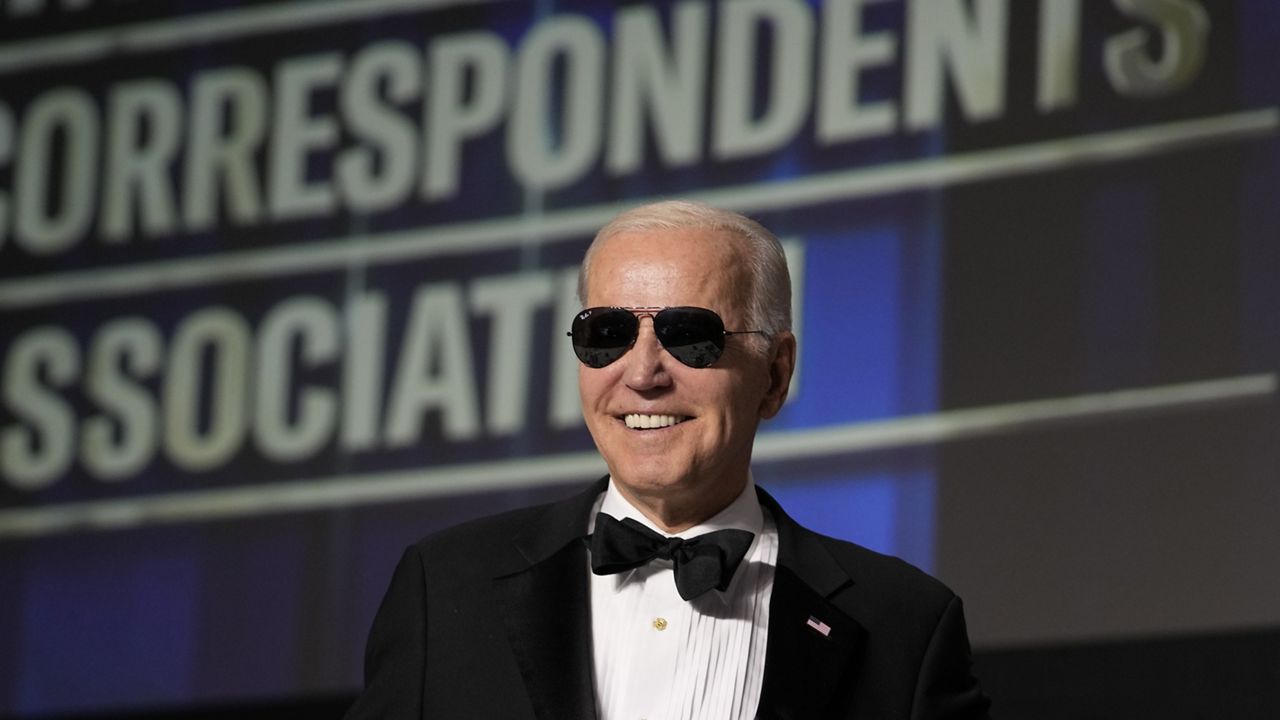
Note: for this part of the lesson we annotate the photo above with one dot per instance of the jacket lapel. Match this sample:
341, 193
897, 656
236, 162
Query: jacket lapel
547, 610
544, 592
813, 647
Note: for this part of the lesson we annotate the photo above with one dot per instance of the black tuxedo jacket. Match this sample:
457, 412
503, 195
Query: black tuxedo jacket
491, 620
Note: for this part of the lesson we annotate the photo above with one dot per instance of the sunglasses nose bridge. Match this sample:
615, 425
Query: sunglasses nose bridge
642, 313
646, 335
646, 358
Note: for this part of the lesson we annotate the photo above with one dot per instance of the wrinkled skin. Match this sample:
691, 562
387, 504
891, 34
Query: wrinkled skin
682, 474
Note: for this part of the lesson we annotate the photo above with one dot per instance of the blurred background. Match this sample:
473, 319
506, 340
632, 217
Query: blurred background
284, 286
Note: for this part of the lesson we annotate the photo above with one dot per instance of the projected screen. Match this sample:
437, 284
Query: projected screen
284, 286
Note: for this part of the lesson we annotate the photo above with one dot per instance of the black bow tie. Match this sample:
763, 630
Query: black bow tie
701, 563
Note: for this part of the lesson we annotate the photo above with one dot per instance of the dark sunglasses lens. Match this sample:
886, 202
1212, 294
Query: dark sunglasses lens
694, 336
602, 335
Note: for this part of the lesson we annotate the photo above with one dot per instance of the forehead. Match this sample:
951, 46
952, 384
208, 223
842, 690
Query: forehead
686, 266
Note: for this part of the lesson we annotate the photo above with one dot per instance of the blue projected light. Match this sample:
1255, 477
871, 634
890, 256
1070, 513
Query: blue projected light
862, 510
868, 353
99, 634
889, 512
852, 323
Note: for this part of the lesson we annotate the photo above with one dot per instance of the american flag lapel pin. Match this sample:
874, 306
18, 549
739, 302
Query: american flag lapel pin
820, 626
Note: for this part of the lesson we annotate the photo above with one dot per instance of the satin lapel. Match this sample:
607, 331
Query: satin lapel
814, 647
547, 610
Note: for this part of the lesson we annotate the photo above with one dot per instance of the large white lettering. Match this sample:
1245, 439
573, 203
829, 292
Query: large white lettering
667, 87
311, 376
944, 43
435, 369
1057, 84
1131, 64
846, 52
381, 174
122, 439
739, 130
299, 134
144, 124
550, 147
39, 448
455, 114
292, 422
210, 359
389, 124
49, 219
365, 337
511, 302
228, 124
566, 407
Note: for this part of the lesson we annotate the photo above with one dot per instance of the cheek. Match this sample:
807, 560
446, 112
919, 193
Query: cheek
735, 402
588, 383
595, 387
744, 403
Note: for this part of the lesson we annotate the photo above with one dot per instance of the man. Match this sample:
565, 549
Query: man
586, 609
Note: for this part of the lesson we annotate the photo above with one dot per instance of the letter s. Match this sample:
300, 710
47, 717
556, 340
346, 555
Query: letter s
1184, 29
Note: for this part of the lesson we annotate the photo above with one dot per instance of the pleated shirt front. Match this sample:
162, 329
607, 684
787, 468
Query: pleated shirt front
659, 657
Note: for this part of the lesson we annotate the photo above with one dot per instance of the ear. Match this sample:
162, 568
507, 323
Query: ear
782, 364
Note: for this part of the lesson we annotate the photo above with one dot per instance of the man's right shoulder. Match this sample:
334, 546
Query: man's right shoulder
499, 536
482, 529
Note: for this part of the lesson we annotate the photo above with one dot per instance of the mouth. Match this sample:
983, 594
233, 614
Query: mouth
637, 421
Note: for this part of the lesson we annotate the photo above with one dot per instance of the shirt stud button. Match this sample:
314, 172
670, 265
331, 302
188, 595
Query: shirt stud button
659, 623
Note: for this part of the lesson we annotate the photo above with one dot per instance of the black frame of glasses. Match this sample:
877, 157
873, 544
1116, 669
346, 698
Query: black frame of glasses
695, 336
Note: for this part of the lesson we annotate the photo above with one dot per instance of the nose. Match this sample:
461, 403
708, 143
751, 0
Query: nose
647, 360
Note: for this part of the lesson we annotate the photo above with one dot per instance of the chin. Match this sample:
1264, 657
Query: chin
650, 476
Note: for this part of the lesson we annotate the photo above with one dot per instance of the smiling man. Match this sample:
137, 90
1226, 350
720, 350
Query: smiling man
672, 588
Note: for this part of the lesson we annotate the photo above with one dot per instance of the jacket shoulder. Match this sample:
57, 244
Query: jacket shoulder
866, 565
879, 587
480, 537
512, 538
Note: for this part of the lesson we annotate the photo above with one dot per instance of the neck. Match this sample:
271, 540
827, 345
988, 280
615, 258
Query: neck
673, 513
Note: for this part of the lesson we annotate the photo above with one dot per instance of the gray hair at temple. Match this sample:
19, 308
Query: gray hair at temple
769, 303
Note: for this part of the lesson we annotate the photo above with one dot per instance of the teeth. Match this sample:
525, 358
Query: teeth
636, 421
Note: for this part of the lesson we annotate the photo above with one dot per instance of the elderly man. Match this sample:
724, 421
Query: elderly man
673, 587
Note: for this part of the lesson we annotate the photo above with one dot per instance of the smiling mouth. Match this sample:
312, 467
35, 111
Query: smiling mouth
636, 421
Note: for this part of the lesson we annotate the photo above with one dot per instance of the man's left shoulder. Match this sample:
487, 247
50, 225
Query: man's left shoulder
876, 581
860, 564
869, 566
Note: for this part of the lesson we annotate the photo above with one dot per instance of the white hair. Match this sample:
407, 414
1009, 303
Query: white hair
769, 292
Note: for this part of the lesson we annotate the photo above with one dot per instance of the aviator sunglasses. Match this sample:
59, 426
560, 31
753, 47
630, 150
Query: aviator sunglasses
693, 335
